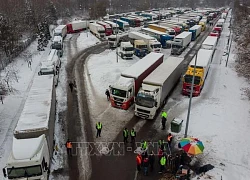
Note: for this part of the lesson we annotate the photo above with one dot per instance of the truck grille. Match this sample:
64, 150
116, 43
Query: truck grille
142, 110
128, 55
144, 116
118, 99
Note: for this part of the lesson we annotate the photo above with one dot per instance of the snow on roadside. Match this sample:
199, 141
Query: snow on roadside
73, 44
102, 70
13, 103
220, 118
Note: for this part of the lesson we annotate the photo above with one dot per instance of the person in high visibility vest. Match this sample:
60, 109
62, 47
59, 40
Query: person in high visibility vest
161, 144
133, 135
163, 161
164, 116
138, 162
99, 129
69, 147
169, 138
125, 135
144, 145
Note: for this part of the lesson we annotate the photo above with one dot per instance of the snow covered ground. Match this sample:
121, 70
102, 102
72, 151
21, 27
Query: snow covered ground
14, 102
220, 118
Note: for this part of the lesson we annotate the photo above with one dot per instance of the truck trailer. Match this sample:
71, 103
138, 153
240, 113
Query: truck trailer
60, 30
114, 26
107, 27
123, 25
196, 31
97, 30
176, 28
33, 144
160, 36
181, 42
204, 59
152, 43
167, 30
77, 26
210, 43
126, 88
157, 86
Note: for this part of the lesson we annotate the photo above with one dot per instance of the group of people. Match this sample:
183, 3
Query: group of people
126, 134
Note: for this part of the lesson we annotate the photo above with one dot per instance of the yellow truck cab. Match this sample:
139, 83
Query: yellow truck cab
203, 26
140, 48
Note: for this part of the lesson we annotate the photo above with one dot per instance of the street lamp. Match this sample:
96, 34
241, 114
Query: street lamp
116, 41
190, 97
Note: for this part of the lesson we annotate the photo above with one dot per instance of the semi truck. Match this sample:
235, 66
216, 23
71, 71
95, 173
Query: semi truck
77, 26
150, 16
114, 26
180, 43
97, 30
32, 146
204, 59
140, 48
210, 43
126, 50
57, 43
160, 36
133, 22
167, 30
122, 93
176, 28
107, 27
219, 25
152, 43
196, 31
50, 65
183, 26
157, 86
123, 25
115, 40
60, 30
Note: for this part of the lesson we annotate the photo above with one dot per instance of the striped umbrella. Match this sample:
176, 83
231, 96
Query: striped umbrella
192, 146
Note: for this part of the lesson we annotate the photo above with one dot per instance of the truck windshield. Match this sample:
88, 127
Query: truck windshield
118, 92
111, 39
145, 100
57, 34
109, 29
101, 31
188, 79
128, 49
24, 172
171, 33
156, 46
141, 46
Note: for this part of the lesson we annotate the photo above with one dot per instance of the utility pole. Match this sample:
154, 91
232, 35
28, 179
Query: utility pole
116, 42
190, 97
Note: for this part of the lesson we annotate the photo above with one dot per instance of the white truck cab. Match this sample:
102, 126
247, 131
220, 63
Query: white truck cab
154, 46
126, 50
28, 162
57, 43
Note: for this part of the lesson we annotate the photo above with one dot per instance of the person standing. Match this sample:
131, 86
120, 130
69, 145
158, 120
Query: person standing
144, 145
133, 135
145, 165
163, 119
98, 129
69, 147
161, 144
107, 94
71, 86
138, 162
151, 159
125, 135
162, 163
169, 138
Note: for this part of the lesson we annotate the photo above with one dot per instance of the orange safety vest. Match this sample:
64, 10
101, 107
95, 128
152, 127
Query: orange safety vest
69, 145
169, 138
138, 159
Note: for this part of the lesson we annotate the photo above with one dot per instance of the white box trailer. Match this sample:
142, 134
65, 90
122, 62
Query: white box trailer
33, 143
60, 30
196, 31
77, 26
181, 42
152, 43
97, 30
210, 43
157, 86
115, 27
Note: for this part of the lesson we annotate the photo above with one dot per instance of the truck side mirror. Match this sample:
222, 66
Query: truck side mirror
4, 172
156, 104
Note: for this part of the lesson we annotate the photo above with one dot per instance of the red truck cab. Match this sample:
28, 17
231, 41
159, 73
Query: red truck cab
107, 27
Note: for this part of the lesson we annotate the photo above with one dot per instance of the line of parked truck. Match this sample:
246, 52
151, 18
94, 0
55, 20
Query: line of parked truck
150, 81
